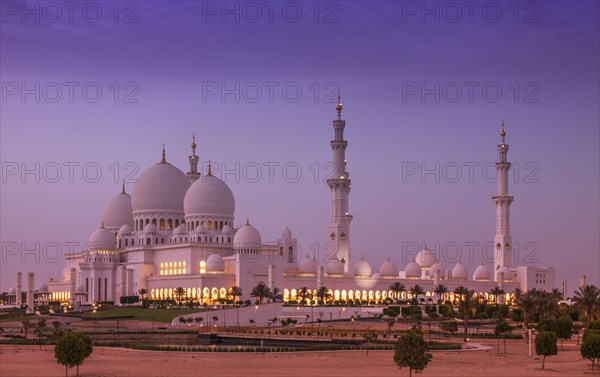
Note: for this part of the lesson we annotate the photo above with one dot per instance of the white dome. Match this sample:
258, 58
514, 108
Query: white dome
150, 228
102, 239
161, 187
412, 270
12, 291
335, 267
481, 272
437, 266
247, 237
215, 263
125, 229
460, 271
227, 229
287, 233
425, 258
43, 287
200, 229
362, 268
307, 265
180, 230
376, 276
388, 269
209, 196
118, 211
80, 289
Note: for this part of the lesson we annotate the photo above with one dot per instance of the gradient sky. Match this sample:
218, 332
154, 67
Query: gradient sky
373, 53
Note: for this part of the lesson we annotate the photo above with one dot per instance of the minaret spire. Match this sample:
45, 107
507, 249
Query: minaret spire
193, 174
502, 239
339, 184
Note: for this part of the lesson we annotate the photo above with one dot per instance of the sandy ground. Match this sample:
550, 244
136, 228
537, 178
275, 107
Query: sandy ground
30, 361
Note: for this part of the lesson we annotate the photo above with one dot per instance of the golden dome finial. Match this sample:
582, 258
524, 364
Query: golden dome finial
338, 107
209, 169
123, 188
102, 225
247, 221
503, 131
164, 155
194, 143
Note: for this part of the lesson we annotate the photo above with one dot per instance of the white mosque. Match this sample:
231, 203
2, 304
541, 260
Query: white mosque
177, 230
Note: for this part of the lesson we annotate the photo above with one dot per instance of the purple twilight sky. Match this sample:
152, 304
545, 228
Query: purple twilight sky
91, 90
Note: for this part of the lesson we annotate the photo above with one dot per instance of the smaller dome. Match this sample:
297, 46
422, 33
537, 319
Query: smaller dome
200, 230
482, 273
335, 267
12, 291
102, 239
117, 211
287, 233
506, 271
376, 276
227, 230
80, 289
247, 237
412, 270
214, 263
307, 265
43, 288
362, 268
180, 230
150, 228
460, 271
388, 269
437, 266
125, 230
425, 258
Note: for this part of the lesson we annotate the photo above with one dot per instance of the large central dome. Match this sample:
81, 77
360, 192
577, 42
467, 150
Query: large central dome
209, 196
160, 188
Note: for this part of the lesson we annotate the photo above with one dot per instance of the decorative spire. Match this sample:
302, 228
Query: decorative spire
248, 223
338, 107
123, 188
502, 132
164, 155
209, 169
102, 225
194, 144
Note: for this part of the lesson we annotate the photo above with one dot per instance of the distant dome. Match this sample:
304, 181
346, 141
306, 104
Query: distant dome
160, 188
335, 267
388, 269
307, 265
376, 276
506, 271
362, 268
460, 271
102, 239
482, 273
12, 291
150, 228
247, 237
287, 233
214, 263
80, 289
209, 196
125, 230
118, 211
200, 230
425, 258
180, 230
227, 230
43, 288
437, 266
412, 270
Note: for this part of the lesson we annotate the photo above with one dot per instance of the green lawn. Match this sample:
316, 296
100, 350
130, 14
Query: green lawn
156, 315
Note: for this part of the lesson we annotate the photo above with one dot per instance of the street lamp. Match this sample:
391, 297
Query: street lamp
255, 309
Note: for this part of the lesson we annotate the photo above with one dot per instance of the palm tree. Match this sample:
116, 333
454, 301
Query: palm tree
546, 305
323, 295
179, 291
416, 291
143, 292
304, 294
235, 292
528, 303
441, 291
466, 303
518, 296
276, 295
260, 292
557, 294
587, 301
497, 291
397, 288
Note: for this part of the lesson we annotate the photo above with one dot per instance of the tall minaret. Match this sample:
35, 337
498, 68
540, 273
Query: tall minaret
339, 184
193, 174
502, 240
